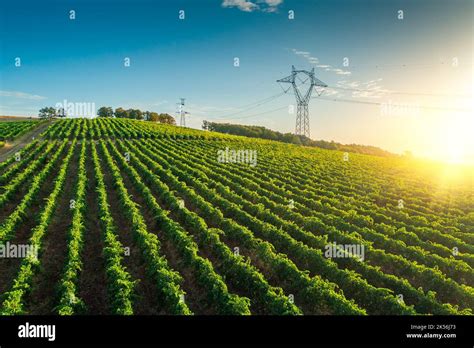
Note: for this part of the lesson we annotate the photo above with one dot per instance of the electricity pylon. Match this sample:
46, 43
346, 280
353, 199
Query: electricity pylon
182, 113
302, 99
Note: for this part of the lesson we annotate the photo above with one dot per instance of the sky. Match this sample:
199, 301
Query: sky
397, 80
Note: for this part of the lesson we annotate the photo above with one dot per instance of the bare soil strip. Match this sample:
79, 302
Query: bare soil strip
196, 295
43, 297
147, 300
92, 280
10, 266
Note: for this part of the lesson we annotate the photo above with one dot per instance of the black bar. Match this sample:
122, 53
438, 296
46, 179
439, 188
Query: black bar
261, 330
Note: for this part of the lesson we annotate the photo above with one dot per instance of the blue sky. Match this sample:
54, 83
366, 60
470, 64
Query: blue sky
81, 60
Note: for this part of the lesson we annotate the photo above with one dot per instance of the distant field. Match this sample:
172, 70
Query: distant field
131, 217
16, 118
13, 128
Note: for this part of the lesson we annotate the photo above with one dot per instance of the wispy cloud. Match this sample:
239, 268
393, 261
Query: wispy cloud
369, 89
341, 72
301, 53
254, 5
315, 61
159, 103
329, 92
243, 5
21, 95
345, 88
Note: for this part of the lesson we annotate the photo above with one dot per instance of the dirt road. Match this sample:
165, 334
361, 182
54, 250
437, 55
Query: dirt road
16, 145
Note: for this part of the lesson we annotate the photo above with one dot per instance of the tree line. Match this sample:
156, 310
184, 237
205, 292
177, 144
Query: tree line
107, 111
136, 114
265, 133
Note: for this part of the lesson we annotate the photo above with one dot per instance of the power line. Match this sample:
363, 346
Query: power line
380, 104
253, 115
409, 65
263, 101
402, 92
257, 103
251, 106
341, 100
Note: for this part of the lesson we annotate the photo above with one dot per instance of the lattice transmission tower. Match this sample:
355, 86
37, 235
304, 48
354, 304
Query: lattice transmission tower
302, 99
182, 113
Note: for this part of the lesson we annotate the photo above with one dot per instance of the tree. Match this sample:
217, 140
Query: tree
105, 111
60, 112
165, 118
121, 113
135, 114
154, 117
139, 115
47, 112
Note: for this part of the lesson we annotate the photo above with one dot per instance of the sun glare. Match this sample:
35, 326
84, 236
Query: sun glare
455, 143
456, 147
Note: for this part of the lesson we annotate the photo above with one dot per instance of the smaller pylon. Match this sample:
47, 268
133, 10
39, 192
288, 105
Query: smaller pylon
182, 113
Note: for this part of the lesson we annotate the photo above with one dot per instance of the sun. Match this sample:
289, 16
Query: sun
456, 143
